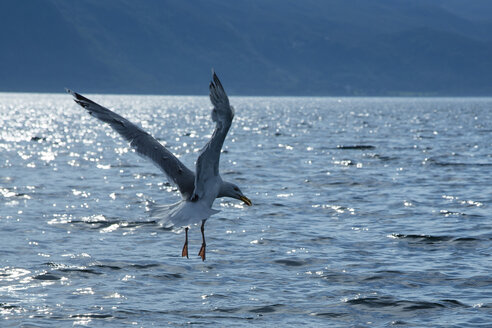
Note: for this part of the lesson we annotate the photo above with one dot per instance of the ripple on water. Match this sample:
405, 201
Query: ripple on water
100, 222
404, 305
356, 147
291, 262
273, 308
430, 239
47, 276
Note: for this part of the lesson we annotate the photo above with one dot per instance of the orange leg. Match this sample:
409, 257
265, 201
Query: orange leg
202, 249
185, 247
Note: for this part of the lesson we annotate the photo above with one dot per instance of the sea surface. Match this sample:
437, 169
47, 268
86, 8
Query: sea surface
368, 212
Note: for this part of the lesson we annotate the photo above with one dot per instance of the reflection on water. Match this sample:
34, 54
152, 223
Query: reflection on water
367, 212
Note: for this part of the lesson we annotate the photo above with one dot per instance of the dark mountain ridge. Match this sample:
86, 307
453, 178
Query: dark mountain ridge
270, 47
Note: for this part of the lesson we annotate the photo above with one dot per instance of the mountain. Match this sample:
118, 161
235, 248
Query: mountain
258, 47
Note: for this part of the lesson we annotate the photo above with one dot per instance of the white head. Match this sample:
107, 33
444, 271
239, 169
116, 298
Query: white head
228, 189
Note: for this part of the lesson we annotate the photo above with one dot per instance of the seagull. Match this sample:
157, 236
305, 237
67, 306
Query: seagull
198, 189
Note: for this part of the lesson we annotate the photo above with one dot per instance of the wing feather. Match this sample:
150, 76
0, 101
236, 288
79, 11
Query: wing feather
207, 165
144, 144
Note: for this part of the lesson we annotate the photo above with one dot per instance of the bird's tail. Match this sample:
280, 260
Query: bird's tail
181, 214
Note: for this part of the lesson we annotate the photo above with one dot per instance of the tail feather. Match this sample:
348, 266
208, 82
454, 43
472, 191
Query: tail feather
181, 214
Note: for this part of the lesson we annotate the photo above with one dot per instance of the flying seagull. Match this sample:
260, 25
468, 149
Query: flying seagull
198, 189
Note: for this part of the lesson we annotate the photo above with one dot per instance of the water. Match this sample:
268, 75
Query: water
367, 212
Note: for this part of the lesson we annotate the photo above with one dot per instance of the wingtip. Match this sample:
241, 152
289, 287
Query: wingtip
79, 99
216, 81
215, 78
73, 93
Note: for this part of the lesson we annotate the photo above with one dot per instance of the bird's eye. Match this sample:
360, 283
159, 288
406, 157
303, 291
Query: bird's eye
236, 188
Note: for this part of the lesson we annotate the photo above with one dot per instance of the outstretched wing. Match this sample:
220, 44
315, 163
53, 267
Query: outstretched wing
144, 144
207, 165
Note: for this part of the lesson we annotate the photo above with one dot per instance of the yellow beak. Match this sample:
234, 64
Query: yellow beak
246, 200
